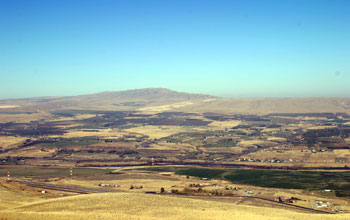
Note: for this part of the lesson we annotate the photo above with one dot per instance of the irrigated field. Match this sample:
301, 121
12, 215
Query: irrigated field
307, 180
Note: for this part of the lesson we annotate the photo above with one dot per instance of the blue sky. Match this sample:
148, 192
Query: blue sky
262, 48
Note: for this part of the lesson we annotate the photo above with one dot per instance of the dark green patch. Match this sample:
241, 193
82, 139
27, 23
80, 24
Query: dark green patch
307, 180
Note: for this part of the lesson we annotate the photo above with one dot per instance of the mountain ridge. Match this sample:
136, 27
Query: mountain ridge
148, 91
163, 99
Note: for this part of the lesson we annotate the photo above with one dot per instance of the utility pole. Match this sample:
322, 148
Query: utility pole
8, 175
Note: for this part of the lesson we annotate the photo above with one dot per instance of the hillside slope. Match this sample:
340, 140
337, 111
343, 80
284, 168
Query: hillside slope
123, 206
159, 99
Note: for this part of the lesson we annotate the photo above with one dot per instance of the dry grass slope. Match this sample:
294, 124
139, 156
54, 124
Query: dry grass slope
141, 206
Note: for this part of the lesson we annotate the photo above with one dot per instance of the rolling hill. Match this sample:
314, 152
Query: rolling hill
159, 99
123, 206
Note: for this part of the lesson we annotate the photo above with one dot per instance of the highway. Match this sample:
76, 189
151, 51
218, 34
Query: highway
65, 188
273, 202
85, 190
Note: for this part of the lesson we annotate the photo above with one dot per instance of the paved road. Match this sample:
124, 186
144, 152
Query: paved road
292, 205
85, 190
243, 200
273, 202
65, 188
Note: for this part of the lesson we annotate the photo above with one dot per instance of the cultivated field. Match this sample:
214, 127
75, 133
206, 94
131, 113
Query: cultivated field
160, 131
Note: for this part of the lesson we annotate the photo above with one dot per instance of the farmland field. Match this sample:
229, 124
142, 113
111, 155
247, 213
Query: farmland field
307, 180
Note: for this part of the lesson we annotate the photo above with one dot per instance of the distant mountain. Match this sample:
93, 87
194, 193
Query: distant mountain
160, 99
150, 94
116, 100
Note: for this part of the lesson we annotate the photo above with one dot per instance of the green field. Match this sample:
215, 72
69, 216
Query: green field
307, 180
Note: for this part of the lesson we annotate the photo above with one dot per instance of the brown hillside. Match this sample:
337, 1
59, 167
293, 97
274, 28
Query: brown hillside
140, 206
168, 100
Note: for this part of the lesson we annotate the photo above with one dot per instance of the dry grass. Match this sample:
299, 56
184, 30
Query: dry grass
11, 197
33, 151
342, 153
94, 132
303, 158
159, 131
270, 129
224, 124
140, 206
276, 139
22, 118
295, 155
7, 142
76, 117
168, 107
148, 183
209, 100
172, 146
307, 198
264, 106
9, 106
250, 142
321, 127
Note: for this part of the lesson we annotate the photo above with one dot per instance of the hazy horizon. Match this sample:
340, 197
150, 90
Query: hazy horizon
219, 96
222, 48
